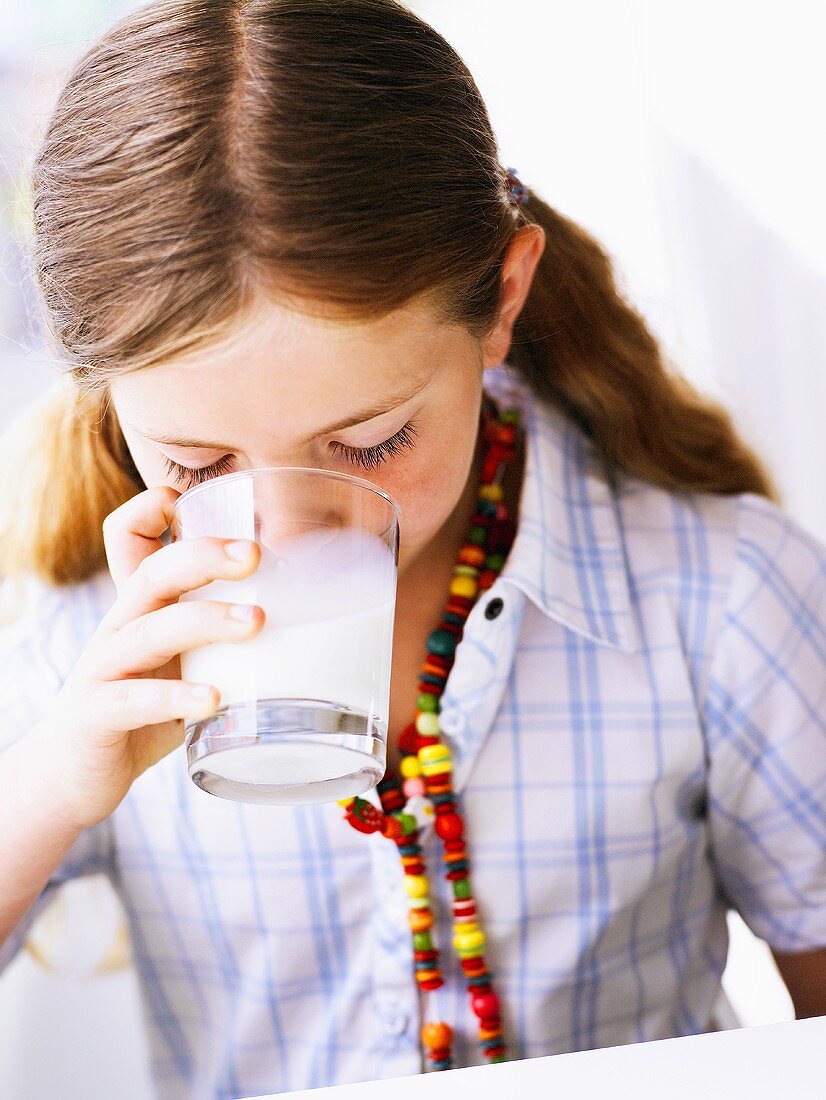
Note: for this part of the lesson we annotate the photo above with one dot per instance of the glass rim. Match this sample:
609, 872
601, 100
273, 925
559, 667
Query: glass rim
353, 479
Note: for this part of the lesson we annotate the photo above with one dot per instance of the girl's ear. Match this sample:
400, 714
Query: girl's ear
518, 269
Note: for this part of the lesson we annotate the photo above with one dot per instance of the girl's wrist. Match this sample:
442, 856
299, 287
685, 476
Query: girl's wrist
42, 778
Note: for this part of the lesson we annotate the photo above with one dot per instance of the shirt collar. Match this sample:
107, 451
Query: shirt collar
568, 555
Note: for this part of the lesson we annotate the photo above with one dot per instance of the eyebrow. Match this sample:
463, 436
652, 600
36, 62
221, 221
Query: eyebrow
357, 418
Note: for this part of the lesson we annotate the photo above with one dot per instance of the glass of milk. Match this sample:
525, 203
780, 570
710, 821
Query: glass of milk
305, 703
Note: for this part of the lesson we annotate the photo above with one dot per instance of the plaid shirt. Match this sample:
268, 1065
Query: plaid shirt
639, 744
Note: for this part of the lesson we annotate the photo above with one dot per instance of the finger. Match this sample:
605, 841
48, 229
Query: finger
124, 705
133, 531
162, 577
151, 641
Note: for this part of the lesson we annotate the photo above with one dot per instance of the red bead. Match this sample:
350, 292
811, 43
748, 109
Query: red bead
455, 876
491, 1052
431, 689
454, 845
449, 826
443, 663
432, 983
408, 738
437, 1054
445, 808
485, 580
490, 1022
485, 1004
391, 828
490, 466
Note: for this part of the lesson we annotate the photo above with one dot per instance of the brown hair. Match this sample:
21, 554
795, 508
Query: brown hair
326, 152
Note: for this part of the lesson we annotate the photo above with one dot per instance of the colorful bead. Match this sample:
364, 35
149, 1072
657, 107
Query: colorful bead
463, 586
427, 702
436, 1035
419, 920
428, 754
485, 1004
466, 942
449, 826
471, 554
427, 724
415, 885
465, 571
409, 767
461, 888
422, 809
442, 642
490, 492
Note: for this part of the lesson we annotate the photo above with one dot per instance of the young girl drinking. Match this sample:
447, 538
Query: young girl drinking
280, 233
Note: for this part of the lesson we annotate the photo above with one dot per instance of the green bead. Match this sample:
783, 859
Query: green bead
407, 822
497, 1058
477, 535
466, 571
442, 643
461, 889
495, 562
422, 941
509, 416
426, 701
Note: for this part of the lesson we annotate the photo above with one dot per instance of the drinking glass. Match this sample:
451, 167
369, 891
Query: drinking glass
304, 705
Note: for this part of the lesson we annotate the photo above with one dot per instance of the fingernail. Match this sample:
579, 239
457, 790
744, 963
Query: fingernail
242, 611
240, 550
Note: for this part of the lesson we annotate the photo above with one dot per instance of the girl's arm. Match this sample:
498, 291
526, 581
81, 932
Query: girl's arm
804, 973
35, 833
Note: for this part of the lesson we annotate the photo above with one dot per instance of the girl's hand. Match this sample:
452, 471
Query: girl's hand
121, 708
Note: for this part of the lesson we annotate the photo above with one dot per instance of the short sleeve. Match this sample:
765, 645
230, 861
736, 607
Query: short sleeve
38, 647
765, 720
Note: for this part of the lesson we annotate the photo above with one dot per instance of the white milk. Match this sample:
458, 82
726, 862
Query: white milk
329, 600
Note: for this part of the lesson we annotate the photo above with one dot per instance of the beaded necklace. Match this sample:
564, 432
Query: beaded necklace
426, 764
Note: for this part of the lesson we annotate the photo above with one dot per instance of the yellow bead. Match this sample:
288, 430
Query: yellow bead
415, 885
469, 941
463, 586
438, 767
345, 801
433, 752
435, 759
409, 767
490, 492
427, 724
468, 926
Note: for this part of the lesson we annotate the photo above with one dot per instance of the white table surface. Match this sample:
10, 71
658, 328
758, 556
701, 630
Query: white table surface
757, 1063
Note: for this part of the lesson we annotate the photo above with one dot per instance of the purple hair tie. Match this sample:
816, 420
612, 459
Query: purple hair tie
517, 191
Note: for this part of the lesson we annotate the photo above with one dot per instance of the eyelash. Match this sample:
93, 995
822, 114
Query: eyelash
366, 457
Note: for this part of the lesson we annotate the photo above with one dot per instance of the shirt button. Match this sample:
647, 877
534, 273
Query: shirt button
395, 1021
493, 608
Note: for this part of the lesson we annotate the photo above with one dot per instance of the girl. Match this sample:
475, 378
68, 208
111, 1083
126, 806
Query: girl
279, 233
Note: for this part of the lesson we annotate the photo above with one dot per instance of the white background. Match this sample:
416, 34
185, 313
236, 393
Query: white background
688, 139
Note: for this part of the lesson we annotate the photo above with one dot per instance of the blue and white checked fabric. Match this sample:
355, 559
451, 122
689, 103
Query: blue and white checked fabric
640, 743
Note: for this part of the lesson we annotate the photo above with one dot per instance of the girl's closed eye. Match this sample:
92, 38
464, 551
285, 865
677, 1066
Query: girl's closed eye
366, 457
